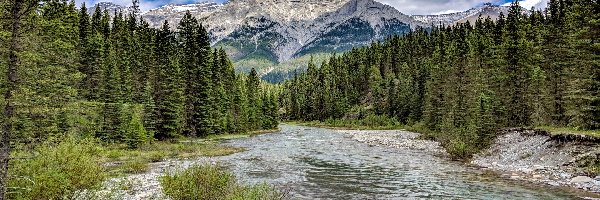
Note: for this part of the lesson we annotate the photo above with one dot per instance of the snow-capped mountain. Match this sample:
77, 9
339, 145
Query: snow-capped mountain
108, 6
278, 30
486, 10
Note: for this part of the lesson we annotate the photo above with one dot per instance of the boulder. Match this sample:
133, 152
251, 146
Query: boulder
581, 179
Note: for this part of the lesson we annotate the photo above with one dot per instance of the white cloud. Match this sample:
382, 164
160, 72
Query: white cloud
538, 4
446, 12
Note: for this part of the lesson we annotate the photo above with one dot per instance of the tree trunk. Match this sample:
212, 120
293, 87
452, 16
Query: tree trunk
11, 75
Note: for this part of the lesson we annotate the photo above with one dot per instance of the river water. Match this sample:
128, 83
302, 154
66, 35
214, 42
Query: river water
314, 163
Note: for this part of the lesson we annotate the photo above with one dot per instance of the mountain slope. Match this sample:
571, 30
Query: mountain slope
274, 31
486, 10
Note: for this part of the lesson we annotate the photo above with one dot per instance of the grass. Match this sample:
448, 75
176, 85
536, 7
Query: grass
123, 160
212, 182
62, 168
369, 123
571, 131
55, 169
238, 136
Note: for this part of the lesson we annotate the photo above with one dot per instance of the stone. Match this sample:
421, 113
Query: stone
581, 179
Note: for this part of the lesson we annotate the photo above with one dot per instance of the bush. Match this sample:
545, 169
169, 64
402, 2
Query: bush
57, 170
135, 166
214, 183
461, 150
135, 133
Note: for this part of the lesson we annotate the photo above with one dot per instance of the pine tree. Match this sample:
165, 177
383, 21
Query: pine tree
516, 69
196, 63
252, 93
17, 12
167, 94
584, 89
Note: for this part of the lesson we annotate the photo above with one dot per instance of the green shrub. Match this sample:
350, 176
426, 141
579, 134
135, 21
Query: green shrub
459, 149
135, 166
214, 183
135, 133
256, 192
56, 170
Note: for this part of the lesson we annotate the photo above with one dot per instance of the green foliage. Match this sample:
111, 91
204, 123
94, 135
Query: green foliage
459, 149
212, 182
134, 166
56, 170
135, 133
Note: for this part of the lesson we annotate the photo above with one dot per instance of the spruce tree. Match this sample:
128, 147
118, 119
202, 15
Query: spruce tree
167, 93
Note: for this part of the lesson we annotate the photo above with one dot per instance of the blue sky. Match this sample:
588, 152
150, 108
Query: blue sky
405, 6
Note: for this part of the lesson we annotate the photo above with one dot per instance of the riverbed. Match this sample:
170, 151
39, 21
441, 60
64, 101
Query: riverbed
316, 163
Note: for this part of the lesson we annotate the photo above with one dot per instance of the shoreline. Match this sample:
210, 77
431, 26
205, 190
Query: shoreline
512, 164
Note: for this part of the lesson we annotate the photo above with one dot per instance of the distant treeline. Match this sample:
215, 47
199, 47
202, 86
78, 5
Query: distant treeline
463, 82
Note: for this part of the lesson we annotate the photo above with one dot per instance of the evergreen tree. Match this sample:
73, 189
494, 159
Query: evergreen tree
516, 69
167, 94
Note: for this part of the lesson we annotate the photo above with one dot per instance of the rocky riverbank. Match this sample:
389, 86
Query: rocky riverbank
395, 138
517, 154
536, 156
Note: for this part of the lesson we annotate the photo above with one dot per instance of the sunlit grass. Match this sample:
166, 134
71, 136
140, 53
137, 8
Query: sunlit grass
369, 123
571, 131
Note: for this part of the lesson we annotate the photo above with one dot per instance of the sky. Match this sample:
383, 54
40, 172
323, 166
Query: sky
411, 7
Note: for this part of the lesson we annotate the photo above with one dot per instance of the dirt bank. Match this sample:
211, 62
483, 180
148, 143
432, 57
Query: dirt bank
538, 156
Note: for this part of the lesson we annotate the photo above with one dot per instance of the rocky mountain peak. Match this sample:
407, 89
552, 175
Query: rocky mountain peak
108, 6
485, 10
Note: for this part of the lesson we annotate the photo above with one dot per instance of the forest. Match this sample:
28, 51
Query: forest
112, 78
461, 84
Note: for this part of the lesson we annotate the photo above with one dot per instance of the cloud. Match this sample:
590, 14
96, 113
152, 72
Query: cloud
538, 4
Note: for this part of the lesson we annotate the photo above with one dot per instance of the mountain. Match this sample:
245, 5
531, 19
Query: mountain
108, 6
274, 31
486, 10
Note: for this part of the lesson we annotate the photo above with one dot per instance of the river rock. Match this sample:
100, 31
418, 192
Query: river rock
581, 179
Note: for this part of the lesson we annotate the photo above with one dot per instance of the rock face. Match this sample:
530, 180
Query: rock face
278, 30
471, 15
111, 8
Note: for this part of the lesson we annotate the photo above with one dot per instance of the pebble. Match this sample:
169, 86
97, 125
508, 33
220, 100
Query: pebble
396, 139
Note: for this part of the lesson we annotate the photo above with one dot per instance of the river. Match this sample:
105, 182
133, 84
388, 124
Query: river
315, 163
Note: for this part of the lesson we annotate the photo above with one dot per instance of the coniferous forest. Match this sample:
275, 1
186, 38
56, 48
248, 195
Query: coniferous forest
112, 77
88, 99
462, 83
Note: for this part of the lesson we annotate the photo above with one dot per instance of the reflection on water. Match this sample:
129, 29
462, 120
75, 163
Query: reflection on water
314, 163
